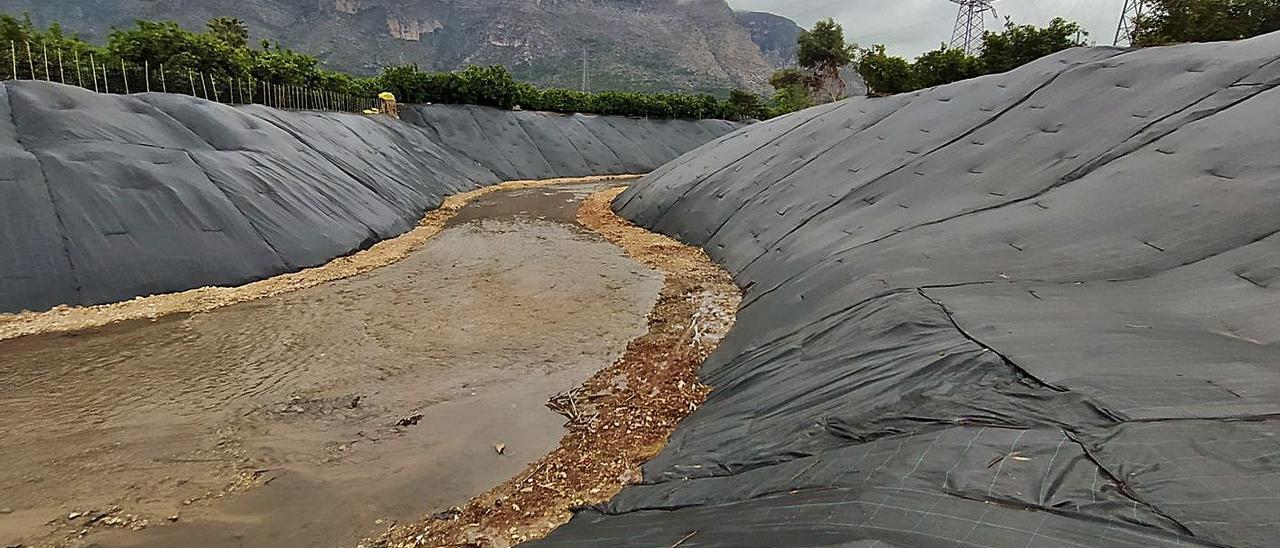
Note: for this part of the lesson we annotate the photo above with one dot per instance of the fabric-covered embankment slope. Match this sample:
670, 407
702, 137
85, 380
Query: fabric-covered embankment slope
107, 197
1039, 308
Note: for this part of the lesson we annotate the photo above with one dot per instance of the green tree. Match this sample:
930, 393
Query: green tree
791, 91
1174, 21
823, 51
943, 66
230, 30
1022, 44
885, 74
167, 43
744, 105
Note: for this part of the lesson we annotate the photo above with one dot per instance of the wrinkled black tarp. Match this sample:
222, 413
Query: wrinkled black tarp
108, 197
1039, 308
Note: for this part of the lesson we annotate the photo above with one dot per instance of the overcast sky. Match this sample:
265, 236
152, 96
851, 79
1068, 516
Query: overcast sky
911, 27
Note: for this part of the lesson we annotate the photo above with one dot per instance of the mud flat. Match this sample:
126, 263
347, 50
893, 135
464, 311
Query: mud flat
315, 412
619, 418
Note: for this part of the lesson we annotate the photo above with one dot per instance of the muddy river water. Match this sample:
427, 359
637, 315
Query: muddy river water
315, 417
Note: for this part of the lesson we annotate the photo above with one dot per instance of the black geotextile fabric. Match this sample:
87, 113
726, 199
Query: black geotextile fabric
543, 145
107, 197
1039, 308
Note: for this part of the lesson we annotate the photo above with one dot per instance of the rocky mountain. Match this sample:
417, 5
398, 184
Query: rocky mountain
775, 35
642, 45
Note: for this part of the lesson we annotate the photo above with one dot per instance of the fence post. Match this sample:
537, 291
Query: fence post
106, 84
164, 86
204, 86
146, 78
93, 69
79, 77
215, 88
44, 52
62, 73
124, 73
13, 50
192, 77
31, 65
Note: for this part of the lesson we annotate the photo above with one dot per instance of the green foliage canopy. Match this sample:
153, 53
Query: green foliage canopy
1022, 44
1174, 21
943, 66
884, 73
1017, 45
824, 52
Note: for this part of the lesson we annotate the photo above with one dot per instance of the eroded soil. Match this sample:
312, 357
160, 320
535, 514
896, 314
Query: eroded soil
319, 416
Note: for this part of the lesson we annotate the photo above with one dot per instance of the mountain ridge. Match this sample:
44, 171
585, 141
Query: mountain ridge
634, 45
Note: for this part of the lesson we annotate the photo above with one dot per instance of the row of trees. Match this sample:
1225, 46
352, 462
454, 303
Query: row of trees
495, 86
222, 57
221, 53
824, 54
1175, 21
1003, 51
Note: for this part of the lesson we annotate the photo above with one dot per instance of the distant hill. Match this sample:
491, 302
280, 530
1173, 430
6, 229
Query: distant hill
640, 45
774, 34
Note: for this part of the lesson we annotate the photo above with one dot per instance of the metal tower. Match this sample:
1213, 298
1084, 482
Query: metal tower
1133, 11
971, 24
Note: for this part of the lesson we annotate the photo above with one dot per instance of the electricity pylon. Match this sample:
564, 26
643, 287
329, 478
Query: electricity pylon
971, 24
1133, 12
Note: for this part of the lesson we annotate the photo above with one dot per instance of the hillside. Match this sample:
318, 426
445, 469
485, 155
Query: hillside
774, 34
639, 45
